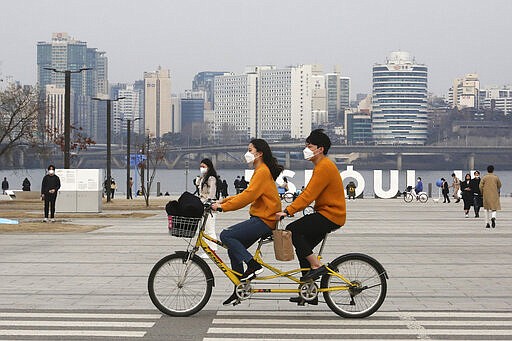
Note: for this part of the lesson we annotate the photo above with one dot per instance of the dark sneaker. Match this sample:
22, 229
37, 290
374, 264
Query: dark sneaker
253, 269
488, 226
493, 222
314, 273
300, 301
232, 300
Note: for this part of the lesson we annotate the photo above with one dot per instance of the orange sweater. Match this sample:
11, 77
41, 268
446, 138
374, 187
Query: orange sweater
326, 189
262, 193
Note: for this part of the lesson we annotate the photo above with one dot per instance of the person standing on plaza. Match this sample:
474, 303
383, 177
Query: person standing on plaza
265, 203
113, 187
351, 190
208, 191
325, 189
196, 182
236, 183
225, 189
445, 189
477, 195
490, 186
49, 188
5, 185
456, 187
130, 186
25, 186
467, 194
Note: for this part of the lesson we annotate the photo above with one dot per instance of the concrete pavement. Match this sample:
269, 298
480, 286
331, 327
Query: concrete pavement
436, 259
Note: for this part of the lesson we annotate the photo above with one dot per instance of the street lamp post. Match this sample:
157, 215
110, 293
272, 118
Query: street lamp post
109, 142
128, 131
67, 110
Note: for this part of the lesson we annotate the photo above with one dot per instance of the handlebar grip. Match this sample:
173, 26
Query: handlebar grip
219, 209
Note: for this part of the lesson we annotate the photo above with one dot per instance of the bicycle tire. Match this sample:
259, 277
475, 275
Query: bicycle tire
288, 197
367, 273
408, 197
423, 197
173, 298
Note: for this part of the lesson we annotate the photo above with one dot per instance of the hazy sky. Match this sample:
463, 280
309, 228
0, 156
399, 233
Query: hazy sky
452, 37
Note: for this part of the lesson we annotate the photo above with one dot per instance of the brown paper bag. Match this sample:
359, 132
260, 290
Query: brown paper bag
283, 247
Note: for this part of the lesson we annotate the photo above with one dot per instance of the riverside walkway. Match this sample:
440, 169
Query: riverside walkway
437, 260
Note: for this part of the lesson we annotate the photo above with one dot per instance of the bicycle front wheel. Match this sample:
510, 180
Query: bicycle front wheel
408, 197
423, 197
369, 286
180, 287
288, 197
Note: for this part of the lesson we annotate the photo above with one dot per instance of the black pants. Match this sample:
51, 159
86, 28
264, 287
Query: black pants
130, 193
477, 203
49, 204
308, 232
446, 197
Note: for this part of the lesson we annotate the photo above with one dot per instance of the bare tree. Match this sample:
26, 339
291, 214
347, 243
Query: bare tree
18, 116
155, 154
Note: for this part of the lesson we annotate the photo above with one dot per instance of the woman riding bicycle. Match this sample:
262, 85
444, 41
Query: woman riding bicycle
326, 189
265, 203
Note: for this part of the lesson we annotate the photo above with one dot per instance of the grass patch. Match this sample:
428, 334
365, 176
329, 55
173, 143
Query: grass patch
57, 227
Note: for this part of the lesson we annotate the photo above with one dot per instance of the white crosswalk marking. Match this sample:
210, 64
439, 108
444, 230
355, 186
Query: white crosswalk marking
412, 325
75, 324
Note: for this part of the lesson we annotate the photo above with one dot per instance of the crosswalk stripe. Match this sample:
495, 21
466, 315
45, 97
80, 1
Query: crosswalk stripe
455, 314
361, 322
345, 331
81, 315
103, 333
301, 339
120, 324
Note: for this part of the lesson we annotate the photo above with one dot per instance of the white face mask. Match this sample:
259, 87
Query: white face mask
51, 172
203, 170
249, 157
308, 153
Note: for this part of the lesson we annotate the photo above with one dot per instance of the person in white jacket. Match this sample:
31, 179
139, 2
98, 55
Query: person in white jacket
208, 190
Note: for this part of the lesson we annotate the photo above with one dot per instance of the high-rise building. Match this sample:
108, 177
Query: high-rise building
464, 92
399, 101
332, 88
66, 53
318, 101
265, 102
54, 119
344, 93
496, 99
157, 102
203, 82
192, 113
127, 108
358, 127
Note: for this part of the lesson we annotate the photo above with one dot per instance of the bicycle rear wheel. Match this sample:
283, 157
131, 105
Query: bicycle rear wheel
370, 286
178, 287
408, 197
423, 197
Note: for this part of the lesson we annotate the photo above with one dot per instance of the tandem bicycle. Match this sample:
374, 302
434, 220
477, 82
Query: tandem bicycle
180, 284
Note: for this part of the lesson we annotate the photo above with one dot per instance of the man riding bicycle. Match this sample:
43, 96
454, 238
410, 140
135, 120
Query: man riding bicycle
326, 189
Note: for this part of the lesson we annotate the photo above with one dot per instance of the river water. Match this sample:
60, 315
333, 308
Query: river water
178, 180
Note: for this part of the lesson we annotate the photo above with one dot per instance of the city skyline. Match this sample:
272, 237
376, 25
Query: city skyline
452, 38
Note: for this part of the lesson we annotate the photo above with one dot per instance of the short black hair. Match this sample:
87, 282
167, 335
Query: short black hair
51, 167
490, 169
319, 139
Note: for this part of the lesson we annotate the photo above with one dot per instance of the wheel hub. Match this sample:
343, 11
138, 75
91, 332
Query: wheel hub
308, 291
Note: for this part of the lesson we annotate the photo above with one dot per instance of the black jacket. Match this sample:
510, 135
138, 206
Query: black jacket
50, 182
475, 186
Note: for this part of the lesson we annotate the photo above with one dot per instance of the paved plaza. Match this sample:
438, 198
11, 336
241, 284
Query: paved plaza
438, 262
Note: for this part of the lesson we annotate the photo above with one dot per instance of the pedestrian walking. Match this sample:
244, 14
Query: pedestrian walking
25, 186
477, 195
196, 183
208, 191
456, 187
113, 187
225, 193
236, 183
5, 185
490, 186
467, 194
445, 189
351, 190
49, 188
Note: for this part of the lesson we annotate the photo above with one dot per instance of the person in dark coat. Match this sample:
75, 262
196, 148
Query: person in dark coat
477, 195
467, 193
49, 189
224, 189
445, 189
25, 186
5, 185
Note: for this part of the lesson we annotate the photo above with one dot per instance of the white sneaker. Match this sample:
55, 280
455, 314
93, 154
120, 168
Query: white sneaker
45, 220
467, 215
52, 220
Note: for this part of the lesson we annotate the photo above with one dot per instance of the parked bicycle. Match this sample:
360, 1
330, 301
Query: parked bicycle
180, 284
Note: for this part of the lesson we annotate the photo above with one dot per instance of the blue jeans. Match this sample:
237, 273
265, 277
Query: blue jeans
241, 236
